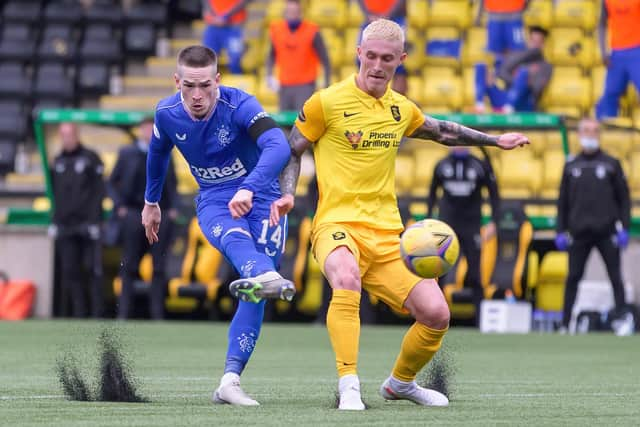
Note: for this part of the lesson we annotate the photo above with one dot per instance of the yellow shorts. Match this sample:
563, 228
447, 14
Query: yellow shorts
377, 253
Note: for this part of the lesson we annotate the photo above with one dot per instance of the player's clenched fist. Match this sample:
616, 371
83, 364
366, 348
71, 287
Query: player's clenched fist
241, 203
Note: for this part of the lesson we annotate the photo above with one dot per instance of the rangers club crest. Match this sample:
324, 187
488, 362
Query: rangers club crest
395, 112
224, 135
353, 138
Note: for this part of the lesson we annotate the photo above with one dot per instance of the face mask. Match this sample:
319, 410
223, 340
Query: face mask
589, 143
460, 154
294, 24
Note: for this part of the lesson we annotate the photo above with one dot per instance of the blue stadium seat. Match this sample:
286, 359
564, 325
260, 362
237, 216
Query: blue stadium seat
18, 31
52, 82
147, 12
104, 11
140, 40
63, 12
17, 50
7, 156
27, 11
13, 127
15, 82
57, 49
93, 79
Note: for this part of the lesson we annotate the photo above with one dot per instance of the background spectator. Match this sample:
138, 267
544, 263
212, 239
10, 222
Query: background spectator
224, 19
78, 190
126, 188
297, 49
619, 19
461, 175
593, 211
504, 26
520, 80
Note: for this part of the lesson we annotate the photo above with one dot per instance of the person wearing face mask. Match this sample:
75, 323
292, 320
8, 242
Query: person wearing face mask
462, 176
126, 188
297, 49
593, 211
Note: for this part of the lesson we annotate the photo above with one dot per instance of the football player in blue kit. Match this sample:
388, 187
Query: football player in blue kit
235, 152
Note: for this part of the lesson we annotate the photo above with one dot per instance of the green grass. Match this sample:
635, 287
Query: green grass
500, 379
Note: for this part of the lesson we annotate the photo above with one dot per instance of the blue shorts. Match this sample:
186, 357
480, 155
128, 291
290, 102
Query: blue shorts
216, 223
505, 36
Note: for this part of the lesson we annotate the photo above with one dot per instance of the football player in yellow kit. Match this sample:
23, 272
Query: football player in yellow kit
355, 127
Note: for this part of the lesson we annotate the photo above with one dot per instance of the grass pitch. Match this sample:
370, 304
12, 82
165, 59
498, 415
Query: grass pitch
499, 379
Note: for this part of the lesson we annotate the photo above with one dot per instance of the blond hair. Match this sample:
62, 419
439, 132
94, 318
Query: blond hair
383, 29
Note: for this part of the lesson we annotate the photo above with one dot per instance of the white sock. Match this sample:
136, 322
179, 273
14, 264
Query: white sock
348, 381
401, 386
228, 378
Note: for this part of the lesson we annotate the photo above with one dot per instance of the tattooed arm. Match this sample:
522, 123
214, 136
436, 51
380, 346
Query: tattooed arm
289, 176
452, 134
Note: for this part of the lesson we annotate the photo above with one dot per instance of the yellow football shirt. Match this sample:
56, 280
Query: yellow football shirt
356, 138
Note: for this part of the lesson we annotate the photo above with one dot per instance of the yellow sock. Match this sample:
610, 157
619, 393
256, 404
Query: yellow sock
343, 324
418, 347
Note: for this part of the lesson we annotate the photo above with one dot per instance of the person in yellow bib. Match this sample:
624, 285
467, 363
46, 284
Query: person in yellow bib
355, 127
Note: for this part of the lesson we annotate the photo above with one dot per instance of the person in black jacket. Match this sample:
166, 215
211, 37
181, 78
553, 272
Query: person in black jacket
462, 177
78, 190
593, 211
126, 188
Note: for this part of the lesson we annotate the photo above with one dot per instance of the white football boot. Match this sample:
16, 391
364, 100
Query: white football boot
415, 393
230, 392
349, 390
270, 285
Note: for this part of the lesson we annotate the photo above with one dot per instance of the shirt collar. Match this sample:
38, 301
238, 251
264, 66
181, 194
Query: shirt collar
368, 100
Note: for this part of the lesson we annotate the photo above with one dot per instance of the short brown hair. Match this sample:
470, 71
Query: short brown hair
197, 56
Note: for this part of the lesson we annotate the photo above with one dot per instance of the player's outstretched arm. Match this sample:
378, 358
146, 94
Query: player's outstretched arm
452, 134
289, 176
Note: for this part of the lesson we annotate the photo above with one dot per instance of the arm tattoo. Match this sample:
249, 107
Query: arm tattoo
291, 172
452, 134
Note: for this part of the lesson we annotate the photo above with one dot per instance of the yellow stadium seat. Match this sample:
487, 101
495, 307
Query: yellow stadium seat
520, 174
347, 70
576, 13
109, 161
335, 48
415, 47
415, 91
442, 33
538, 141
404, 174
553, 162
551, 279
474, 48
450, 12
356, 17
328, 13
469, 86
617, 142
124, 102
254, 56
442, 89
570, 47
246, 82
198, 278
426, 160
265, 95
186, 182
568, 88
634, 176
274, 11
539, 12
417, 13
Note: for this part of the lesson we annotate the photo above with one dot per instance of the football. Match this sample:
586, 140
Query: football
429, 248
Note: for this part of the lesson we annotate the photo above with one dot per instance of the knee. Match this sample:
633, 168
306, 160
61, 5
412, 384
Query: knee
434, 314
346, 278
